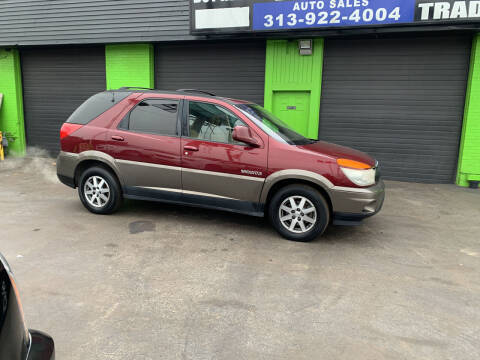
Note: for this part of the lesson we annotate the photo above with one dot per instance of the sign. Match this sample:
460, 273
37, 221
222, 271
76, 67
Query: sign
230, 16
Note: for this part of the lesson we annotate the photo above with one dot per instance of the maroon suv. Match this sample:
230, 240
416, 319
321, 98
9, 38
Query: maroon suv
190, 147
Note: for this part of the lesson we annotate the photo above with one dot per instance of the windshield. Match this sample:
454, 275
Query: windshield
272, 125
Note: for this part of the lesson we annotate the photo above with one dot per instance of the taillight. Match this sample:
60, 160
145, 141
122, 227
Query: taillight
68, 129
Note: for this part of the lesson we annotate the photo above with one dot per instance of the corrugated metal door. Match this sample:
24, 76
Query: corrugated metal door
55, 82
235, 69
400, 100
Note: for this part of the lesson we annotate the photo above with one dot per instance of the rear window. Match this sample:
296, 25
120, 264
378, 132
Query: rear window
95, 106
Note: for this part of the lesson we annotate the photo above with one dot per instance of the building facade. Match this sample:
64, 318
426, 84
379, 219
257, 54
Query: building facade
397, 79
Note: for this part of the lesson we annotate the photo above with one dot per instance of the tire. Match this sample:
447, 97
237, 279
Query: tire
314, 222
106, 185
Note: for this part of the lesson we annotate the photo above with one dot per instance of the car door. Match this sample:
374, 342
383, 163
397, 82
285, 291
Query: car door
215, 168
146, 147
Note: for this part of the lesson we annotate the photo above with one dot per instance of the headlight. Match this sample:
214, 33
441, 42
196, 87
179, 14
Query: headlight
360, 177
357, 172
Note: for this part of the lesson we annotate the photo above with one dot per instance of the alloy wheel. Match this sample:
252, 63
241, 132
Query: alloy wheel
96, 191
297, 214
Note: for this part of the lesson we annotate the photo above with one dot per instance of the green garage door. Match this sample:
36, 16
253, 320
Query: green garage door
400, 100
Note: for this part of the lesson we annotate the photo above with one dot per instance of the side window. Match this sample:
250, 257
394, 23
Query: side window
211, 122
155, 116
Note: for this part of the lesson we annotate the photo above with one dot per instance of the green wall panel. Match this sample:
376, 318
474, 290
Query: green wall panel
469, 161
11, 112
129, 65
293, 84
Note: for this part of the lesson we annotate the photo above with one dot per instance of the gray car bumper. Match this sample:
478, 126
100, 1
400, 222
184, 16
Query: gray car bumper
352, 205
66, 164
41, 347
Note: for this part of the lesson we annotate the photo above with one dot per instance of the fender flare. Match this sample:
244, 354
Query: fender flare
100, 157
294, 174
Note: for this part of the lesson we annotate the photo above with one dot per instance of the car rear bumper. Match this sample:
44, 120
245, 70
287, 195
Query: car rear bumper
66, 164
69, 181
42, 346
352, 205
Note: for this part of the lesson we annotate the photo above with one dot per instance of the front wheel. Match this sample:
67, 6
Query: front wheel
299, 213
99, 191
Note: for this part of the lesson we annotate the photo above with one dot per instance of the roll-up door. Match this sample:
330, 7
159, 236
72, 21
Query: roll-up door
400, 100
235, 69
55, 82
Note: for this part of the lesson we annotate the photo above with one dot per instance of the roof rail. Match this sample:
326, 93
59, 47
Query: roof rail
197, 91
134, 88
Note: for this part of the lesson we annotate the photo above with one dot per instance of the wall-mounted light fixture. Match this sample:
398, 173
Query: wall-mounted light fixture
305, 47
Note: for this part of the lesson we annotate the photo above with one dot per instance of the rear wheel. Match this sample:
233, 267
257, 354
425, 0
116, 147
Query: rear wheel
299, 213
99, 191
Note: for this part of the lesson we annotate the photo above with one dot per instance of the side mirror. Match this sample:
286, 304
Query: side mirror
244, 134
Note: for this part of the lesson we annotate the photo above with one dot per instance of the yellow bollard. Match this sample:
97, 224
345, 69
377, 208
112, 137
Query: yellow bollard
1, 148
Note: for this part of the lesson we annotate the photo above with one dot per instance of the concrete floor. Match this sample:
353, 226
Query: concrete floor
166, 282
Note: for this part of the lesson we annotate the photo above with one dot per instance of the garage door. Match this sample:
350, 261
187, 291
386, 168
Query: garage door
400, 100
55, 82
234, 69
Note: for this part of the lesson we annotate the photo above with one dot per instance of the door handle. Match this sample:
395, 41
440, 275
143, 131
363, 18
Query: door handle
190, 148
117, 138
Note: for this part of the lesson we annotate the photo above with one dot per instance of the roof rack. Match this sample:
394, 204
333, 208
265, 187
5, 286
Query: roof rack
134, 88
196, 91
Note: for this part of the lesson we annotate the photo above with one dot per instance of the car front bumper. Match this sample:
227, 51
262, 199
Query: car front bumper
352, 205
41, 347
